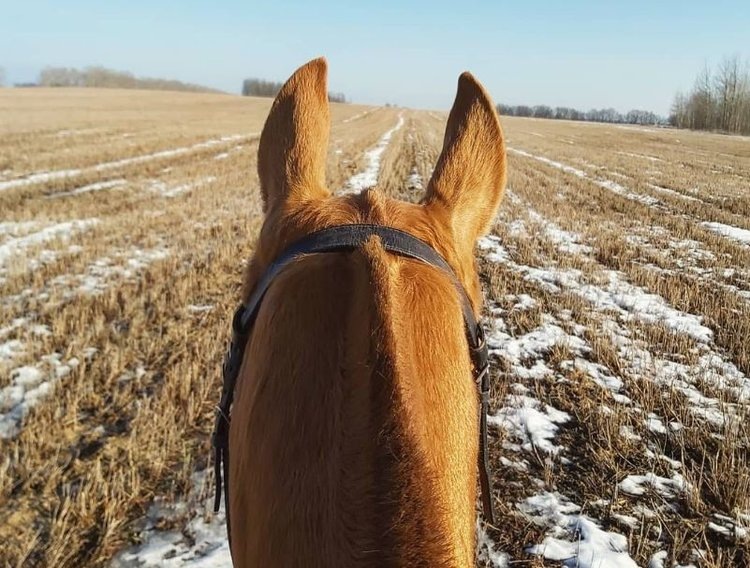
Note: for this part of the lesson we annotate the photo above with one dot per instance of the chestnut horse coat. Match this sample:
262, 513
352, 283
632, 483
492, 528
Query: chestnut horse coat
354, 432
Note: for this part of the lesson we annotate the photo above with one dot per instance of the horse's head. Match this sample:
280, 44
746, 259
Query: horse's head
354, 435
461, 199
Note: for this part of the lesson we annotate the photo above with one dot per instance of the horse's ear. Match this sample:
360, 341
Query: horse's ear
469, 178
293, 144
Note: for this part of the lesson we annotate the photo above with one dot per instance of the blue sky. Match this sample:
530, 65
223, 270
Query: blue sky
577, 53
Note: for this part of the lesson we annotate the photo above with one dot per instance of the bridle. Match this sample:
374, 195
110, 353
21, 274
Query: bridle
338, 239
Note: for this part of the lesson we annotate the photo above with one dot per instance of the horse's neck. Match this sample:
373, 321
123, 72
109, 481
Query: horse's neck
350, 432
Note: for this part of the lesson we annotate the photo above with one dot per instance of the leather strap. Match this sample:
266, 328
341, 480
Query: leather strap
338, 239
349, 237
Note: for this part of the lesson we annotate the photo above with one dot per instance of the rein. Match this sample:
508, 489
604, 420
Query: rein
338, 239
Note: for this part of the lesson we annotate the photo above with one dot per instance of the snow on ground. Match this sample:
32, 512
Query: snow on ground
202, 543
668, 191
33, 382
118, 265
16, 247
529, 421
607, 184
414, 181
658, 559
728, 231
643, 156
628, 303
531, 426
690, 259
77, 131
369, 176
165, 190
573, 538
10, 350
359, 116
734, 233
566, 241
665, 487
30, 384
16, 228
487, 551
98, 186
43, 177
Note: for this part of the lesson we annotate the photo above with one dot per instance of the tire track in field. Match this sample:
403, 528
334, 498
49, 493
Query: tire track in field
368, 177
409, 162
738, 235
57, 175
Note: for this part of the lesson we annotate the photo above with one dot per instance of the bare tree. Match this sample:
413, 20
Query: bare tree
730, 82
718, 101
543, 111
103, 77
595, 115
2, 76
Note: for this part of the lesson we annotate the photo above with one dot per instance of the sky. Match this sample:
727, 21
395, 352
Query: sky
583, 54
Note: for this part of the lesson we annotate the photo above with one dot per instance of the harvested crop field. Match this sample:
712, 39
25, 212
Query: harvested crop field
617, 284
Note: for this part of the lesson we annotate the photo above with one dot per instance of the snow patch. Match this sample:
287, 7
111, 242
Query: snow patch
43, 177
734, 233
98, 186
666, 190
16, 246
658, 559
629, 301
643, 156
369, 176
609, 185
29, 385
414, 181
666, 487
486, 551
202, 543
532, 423
358, 116
575, 539
165, 190
99, 274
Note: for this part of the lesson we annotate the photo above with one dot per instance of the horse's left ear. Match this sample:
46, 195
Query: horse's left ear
294, 142
469, 178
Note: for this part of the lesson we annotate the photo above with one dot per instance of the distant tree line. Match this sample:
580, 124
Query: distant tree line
594, 115
261, 88
719, 100
108, 78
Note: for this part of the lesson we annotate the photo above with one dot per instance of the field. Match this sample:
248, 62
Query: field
617, 284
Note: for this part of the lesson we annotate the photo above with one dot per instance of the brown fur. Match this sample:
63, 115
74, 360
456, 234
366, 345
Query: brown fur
354, 437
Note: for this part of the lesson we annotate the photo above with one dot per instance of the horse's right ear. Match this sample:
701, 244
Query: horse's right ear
294, 142
467, 186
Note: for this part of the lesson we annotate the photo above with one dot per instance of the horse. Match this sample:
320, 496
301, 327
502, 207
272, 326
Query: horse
354, 436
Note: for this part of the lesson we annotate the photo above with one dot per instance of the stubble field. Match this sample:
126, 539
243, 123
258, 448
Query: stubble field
617, 284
